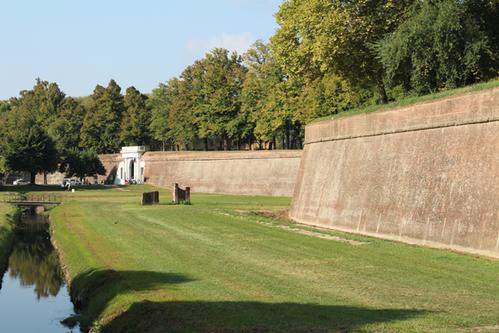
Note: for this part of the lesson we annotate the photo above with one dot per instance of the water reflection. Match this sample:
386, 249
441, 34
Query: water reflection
33, 260
33, 286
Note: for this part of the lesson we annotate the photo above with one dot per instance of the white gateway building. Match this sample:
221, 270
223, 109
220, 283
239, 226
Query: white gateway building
131, 168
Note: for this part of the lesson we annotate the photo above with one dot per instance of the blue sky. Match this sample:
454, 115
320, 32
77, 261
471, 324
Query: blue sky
81, 43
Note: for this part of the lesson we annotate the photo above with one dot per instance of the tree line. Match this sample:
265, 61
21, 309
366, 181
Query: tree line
326, 57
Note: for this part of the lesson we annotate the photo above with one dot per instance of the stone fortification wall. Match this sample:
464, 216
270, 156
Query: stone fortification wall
425, 174
232, 172
110, 162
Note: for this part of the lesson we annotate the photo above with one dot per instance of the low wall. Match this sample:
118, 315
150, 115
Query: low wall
231, 172
426, 174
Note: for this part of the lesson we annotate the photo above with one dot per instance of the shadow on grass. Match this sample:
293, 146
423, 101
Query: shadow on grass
93, 290
249, 317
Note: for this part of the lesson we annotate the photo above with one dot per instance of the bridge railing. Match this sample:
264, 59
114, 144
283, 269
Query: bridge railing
32, 198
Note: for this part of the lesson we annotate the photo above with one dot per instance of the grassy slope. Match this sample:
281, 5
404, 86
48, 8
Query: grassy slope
414, 100
213, 267
6, 232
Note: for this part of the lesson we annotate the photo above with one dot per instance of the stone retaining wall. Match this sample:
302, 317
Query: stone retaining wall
426, 174
231, 172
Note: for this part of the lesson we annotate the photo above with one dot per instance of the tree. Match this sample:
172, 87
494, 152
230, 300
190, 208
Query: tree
440, 46
136, 119
4, 107
65, 129
39, 105
267, 98
326, 96
29, 149
101, 126
180, 121
319, 37
158, 104
217, 82
81, 164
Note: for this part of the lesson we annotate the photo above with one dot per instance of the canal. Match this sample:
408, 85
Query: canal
33, 294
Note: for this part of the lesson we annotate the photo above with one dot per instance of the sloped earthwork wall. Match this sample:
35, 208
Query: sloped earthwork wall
426, 174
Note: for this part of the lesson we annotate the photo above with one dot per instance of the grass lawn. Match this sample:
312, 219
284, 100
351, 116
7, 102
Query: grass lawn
408, 101
217, 266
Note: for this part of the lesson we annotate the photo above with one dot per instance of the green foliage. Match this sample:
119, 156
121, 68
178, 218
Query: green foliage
440, 46
260, 100
217, 82
101, 126
327, 96
136, 119
30, 149
4, 107
3, 165
321, 37
172, 120
81, 164
65, 129
158, 104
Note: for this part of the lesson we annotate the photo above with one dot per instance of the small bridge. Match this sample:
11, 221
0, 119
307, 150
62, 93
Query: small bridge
33, 200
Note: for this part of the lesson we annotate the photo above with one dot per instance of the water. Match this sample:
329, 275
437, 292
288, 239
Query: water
33, 294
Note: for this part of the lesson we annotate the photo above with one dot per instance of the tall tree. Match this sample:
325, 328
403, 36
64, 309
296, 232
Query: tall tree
441, 45
29, 149
172, 112
158, 103
39, 105
320, 37
65, 129
269, 97
136, 119
217, 83
101, 126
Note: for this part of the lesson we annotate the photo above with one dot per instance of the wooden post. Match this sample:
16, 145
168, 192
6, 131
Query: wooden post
175, 193
188, 194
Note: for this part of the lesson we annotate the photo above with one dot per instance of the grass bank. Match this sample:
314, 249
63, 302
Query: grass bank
411, 100
217, 266
7, 215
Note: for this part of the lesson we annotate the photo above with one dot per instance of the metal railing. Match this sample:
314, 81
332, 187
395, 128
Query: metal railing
41, 199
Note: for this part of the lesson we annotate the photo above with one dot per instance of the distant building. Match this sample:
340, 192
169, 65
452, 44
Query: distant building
131, 168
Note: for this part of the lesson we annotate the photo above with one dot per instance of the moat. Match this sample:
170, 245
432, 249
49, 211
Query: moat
33, 294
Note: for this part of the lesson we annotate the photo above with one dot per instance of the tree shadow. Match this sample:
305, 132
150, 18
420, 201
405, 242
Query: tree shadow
93, 290
250, 317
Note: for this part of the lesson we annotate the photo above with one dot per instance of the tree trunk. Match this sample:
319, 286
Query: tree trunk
32, 178
205, 144
288, 138
226, 143
383, 98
